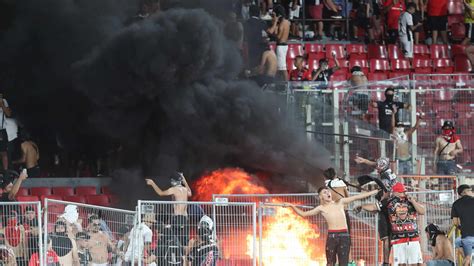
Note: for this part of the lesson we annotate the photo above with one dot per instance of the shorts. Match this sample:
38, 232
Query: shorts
405, 167
363, 22
470, 32
407, 45
439, 263
180, 228
294, 13
348, 221
338, 245
315, 11
392, 36
384, 230
438, 23
34, 171
281, 51
446, 167
467, 245
417, 19
407, 253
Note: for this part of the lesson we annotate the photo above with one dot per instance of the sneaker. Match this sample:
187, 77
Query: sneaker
266, 17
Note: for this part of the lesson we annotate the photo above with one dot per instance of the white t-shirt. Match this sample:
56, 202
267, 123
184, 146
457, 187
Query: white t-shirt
335, 183
138, 237
405, 20
12, 128
5, 103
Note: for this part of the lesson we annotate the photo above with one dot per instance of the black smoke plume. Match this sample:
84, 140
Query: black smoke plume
164, 88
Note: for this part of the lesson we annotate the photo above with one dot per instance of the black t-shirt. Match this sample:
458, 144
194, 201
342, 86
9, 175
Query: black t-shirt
385, 114
204, 255
463, 209
324, 75
4, 198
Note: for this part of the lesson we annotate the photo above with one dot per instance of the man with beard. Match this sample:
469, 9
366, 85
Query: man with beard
338, 242
385, 109
99, 243
64, 246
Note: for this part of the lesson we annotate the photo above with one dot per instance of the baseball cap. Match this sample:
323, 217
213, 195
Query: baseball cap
398, 187
463, 187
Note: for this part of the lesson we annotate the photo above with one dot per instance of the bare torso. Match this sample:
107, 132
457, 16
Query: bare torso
31, 153
98, 243
180, 193
270, 63
333, 213
444, 155
283, 31
445, 248
358, 80
403, 150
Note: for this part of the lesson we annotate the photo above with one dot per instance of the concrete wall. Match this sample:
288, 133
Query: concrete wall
67, 182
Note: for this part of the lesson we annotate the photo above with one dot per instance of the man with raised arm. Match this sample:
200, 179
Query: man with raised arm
338, 242
179, 191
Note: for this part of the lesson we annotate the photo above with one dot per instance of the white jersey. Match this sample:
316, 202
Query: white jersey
405, 20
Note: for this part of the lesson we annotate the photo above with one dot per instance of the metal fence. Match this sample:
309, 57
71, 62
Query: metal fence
20, 235
86, 234
221, 232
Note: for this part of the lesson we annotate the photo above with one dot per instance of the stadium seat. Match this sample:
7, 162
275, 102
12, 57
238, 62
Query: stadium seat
338, 48
53, 197
75, 198
455, 7
364, 64
458, 49
106, 190
455, 19
458, 31
313, 63
443, 65
398, 74
445, 96
294, 49
356, 51
402, 65
23, 191
462, 64
439, 51
394, 52
343, 64
63, 191
86, 190
421, 51
377, 65
101, 200
422, 66
339, 76
377, 76
314, 48
27, 198
290, 63
377, 51
40, 191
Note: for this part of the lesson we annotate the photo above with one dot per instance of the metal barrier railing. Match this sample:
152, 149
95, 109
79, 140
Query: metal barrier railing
86, 234
216, 232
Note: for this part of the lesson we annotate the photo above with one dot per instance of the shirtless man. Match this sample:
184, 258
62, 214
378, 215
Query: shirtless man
99, 243
266, 72
280, 29
338, 189
178, 192
442, 248
30, 157
447, 147
338, 241
402, 137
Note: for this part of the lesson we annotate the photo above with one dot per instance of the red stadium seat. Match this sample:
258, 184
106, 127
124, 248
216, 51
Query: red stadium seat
394, 52
458, 31
314, 48
63, 191
290, 64
40, 191
439, 51
53, 197
313, 63
338, 48
422, 66
455, 8
458, 49
462, 64
101, 200
401, 65
294, 49
86, 190
343, 64
27, 198
339, 76
376, 51
75, 198
364, 64
356, 51
377, 76
443, 65
445, 96
377, 65
421, 51
398, 74
23, 191
106, 190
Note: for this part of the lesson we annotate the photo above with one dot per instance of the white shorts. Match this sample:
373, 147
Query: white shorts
407, 253
294, 13
281, 51
407, 46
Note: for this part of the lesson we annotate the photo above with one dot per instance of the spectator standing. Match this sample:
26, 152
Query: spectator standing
301, 73
364, 13
323, 73
267, 70
402, 141
393, 9
438, 19
204, 249
359, 98
254, 30
52, 258
5, 112
405, 30
11, 189
7, 254
469, 21
100, 243
462, 214
140, 238
314, 10
442, 248
13, 141
447, 147
29, 156
386, 108
63, 245
280, 30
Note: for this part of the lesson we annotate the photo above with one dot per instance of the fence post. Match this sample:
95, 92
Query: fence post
43, 252
260, 244
254, 229
45, 242
135, 232
377, 239
336, 130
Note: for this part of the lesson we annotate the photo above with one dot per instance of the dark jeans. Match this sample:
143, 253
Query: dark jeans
338, 244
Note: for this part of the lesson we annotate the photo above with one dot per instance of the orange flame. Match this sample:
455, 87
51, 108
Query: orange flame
288, 239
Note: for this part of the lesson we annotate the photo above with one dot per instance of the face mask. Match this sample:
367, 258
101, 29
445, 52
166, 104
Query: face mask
389, 97
448, 134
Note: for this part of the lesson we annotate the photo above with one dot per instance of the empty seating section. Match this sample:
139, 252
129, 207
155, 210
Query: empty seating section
81, 194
